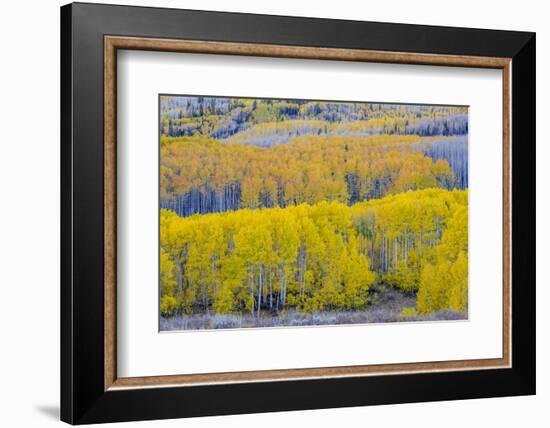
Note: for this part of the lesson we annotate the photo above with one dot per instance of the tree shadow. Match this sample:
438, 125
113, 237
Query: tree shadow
50, 411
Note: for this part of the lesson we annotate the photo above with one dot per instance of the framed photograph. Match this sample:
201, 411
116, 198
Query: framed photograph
265, 213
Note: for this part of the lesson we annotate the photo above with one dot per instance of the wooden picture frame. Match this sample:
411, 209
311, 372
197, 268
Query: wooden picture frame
91, 390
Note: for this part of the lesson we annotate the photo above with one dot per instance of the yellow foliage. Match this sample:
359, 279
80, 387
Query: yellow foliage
409, 312
444, 282
320, 256
168, 305
167, 276
307, 169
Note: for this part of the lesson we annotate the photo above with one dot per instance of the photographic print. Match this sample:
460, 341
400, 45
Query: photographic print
294, 212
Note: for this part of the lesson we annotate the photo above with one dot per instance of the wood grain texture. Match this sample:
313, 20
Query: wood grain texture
507, 213
265, 50
110, 221
297, 374
112, 43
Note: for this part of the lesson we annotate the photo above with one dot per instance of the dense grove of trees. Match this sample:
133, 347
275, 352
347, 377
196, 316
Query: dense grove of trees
445, 279
219, 176
320, 256
455, 152
268, 134
272, 205
252, 120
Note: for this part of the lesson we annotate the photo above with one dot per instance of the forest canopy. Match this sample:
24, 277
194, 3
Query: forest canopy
269, 206
321, 256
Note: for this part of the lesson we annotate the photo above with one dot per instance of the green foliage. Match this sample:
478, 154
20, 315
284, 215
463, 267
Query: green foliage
217, 117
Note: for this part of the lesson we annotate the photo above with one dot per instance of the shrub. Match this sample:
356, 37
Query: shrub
409, 312
168, 305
